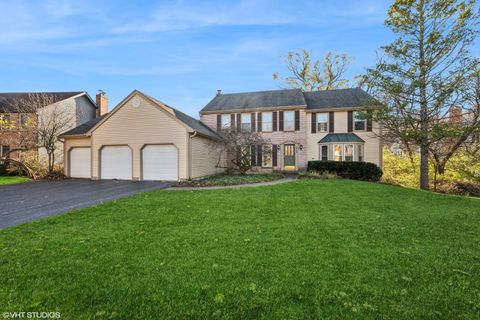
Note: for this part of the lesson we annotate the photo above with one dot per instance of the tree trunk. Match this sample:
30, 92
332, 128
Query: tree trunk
424, 183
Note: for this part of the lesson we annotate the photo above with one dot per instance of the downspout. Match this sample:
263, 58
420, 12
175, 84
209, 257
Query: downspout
190, 154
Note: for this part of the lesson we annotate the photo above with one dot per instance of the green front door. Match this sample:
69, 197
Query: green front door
289, 155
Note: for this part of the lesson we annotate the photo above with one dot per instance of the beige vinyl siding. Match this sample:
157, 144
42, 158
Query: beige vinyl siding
372, 147
70, 143
204, 160
137, 127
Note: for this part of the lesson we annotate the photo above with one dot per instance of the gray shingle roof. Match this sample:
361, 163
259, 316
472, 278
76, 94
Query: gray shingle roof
9, 100
195, 124
260, 99
341, 137
340, 98
83, 128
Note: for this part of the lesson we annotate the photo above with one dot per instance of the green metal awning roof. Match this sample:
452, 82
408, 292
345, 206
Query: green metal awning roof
341, 137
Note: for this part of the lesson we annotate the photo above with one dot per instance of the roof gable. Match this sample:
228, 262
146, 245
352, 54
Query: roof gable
183, 119
9, 100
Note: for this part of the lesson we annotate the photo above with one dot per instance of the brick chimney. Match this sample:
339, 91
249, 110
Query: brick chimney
102, 103
219, 92
455, 116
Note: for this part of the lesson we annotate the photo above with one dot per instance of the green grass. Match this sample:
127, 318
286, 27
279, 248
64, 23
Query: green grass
325, 249
12, 179
230, 180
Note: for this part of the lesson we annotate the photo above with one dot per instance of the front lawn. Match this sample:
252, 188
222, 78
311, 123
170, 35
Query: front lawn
231, 180
325, 249
12, 179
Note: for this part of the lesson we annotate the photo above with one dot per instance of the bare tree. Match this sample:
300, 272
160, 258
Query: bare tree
315, 75
46, 121
237, 148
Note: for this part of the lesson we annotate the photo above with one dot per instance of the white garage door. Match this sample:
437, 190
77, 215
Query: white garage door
116, 163
80, 163
160, 163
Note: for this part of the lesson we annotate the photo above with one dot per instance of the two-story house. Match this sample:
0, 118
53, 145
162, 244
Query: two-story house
143, 138
301, 126
23, 112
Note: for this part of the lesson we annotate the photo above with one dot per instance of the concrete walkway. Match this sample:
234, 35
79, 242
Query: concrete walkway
259, 184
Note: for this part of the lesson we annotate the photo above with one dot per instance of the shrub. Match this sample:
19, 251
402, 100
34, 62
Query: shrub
364, 171
318, 175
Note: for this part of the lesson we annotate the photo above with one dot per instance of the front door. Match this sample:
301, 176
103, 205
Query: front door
289, 156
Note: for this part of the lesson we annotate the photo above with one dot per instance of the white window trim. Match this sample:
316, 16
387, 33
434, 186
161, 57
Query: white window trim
224, 124
263, 156
343, 150
249, 121
285, 121
320, 152
318, 122
360, 120
263, 121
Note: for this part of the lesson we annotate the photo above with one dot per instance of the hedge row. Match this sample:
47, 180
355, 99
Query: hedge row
364, 171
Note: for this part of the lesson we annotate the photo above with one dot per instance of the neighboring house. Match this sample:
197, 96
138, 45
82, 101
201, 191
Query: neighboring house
145, 139
140, 139
301, 126
24, 119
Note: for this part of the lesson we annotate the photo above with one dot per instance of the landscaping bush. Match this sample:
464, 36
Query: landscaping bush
364, 171
325, 175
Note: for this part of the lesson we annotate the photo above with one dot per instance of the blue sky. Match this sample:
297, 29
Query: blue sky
180, 52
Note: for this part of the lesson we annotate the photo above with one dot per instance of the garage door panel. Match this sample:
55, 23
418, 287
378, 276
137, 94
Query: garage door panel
160, 162
116, 163
80, 163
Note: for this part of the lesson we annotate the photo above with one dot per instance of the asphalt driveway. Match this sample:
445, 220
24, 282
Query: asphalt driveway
33, 200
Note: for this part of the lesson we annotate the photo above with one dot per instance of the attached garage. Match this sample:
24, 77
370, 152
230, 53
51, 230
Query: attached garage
160, 162
80, 162
142, 138
116, 163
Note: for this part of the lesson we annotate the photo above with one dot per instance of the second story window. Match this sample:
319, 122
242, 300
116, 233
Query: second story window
246, 122
23, 120
226, 124
289, 121
266, 121
359, 122
5, 123
322, 122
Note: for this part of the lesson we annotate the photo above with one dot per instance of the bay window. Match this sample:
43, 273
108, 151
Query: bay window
343, 152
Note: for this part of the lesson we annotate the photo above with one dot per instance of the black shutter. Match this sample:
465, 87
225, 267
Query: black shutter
314, 123
252, 156
331, 122
239, 122
219, 122
232, 122
259, 122
280, 121
369, 124
274, 155
297, 120
259, 156
253, 122
274, 121
350, 121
